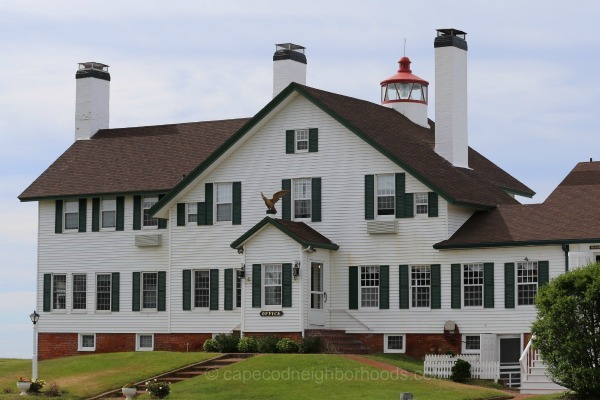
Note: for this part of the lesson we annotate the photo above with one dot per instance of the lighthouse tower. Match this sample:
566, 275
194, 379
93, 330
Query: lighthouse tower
406, 93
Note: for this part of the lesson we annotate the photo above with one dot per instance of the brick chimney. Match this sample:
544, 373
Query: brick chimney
289, 65
91, 99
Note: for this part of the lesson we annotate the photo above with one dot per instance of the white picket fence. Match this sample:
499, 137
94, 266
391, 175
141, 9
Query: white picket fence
441, 366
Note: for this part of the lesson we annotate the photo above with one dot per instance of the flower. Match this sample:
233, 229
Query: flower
21, 379
158, 389
129, 385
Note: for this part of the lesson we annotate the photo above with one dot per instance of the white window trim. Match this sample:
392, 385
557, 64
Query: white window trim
462, 286
67, 299
360, 287
263, 286
425, 214
464, 345
64, 216
87, 294
194, 307
517, 284
80, 342
137, 342
296, 150
142, 308
142, 216
391, 216
112, 228
410, 288
96, 293
385, 343
216, 203
293, 201
187, 214
238, 284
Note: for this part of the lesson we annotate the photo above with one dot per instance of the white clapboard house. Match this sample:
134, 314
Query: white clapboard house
393, 236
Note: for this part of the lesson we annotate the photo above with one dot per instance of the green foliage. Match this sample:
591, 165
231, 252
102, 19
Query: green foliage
158, 389
567, 329
247, 344
210, 345
286, 345
310, 345
36, 385
461, 371
267, 344
227, 343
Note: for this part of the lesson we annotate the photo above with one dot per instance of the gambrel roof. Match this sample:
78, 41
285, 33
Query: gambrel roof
569, 215
169, 157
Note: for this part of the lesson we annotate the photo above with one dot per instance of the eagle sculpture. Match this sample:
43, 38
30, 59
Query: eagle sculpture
270, 203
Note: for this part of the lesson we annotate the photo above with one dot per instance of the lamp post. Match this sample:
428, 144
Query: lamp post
35, 317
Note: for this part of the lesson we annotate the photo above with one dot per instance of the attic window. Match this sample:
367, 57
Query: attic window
302, 140
421, 203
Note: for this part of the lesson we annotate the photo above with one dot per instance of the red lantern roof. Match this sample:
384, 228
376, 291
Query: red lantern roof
404, 74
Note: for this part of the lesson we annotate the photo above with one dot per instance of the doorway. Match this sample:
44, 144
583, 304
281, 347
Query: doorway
510, 352
318, 296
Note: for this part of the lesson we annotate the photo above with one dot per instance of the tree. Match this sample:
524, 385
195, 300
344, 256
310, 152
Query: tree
567, 329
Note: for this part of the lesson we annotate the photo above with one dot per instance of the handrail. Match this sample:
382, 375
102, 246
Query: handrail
526, 359
353, 317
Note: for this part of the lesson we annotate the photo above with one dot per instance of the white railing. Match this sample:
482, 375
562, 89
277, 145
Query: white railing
528, 357
441, 366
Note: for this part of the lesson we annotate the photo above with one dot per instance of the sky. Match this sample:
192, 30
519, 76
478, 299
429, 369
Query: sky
532, 84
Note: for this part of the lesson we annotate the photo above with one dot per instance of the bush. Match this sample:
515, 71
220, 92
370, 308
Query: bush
247, 344
572, 355
310, 345
53, 390
286, 345
461, 371
227, 343
267, 344
36, 385
211, 346
158, 389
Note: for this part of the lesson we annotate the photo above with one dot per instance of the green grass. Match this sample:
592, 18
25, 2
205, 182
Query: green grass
399, 360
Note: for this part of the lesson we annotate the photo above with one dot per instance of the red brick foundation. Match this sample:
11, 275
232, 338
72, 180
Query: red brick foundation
418, 345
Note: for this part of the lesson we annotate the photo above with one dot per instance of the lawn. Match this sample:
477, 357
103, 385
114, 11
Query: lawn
400, 361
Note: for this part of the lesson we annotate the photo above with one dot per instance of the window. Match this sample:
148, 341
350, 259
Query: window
238, 289
224, 200
202, 289
471, 344
192, 213
79, 292
87, 342
386, 194
145, 342
273, 284
149, 290
147, 203
59, 292
71, 210
394, 343
103, 290
527, 282
473, 285
421, 203
420, 286
301, 140
302, 197
109, 212
369, 286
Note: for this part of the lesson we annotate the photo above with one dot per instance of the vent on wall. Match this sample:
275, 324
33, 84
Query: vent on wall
382, 226
148, 240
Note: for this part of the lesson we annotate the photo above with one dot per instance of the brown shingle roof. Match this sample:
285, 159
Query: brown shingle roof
569, 214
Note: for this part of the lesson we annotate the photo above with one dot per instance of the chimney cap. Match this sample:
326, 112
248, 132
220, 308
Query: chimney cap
452, 32
289, 51
289, 46
93, 65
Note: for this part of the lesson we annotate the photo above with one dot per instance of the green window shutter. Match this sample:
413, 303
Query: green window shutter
316, 199
509, 285
488, 285
116, 289
400, 188
290, 141
58, 216
455, 286
180, 214
229, 289
404, 292
384, 287
120, 223
214, 289
187, 289
208, 204
432, 204
286, 280
256, 286
353, 288
543, 273
162, 222
286, 201
48, 292
162, 291
409, 205
313, 140
201, 208
369, 197
237, 203
82, 215
137, 213
95, 214
436, 293
135, 299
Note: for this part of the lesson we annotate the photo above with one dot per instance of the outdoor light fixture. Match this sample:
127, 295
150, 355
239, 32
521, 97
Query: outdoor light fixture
296, 269
241, 273
35, 317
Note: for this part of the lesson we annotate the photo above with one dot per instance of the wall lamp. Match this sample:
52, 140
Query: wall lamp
296, 269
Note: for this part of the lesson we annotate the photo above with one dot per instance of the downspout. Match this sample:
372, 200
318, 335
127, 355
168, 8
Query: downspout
565, 248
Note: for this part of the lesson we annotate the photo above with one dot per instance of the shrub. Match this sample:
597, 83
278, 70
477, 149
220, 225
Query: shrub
310, 345
53, 390
572, 355
227, 343
36, 385
286, 345
7, 390
247, 344
461, 371
158, 389
267, 344
211, 346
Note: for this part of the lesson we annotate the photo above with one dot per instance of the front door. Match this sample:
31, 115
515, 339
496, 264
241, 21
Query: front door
510, 351
318, 297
